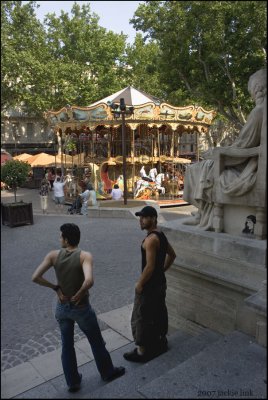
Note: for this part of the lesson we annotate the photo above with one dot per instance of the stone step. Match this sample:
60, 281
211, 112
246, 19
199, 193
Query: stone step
182, 346
232, 367
56, 388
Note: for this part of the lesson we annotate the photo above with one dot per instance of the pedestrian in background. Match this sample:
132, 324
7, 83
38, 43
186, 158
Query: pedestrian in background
74, 272
84, 198
116, 193
44, 190
59, 196
51, 177
92, 201
149, 320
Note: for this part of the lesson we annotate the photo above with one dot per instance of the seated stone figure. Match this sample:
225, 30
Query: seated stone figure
239, 174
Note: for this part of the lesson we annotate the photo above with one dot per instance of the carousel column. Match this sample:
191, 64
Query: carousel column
152, 150
124, 155
93, 158
133, 159
159, 150
109, 143
172, 144
174, 191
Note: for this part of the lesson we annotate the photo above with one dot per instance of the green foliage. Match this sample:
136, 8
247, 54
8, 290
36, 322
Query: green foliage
208, 50
14, 173
192, 52
69, 59
143, 72
70, 145
23, 56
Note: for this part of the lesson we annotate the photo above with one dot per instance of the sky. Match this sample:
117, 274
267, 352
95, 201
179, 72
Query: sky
114, 15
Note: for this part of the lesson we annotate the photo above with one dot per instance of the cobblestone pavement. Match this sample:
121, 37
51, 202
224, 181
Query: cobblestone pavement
29, 327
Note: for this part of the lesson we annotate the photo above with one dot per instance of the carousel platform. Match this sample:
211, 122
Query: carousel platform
117, 208
171, 203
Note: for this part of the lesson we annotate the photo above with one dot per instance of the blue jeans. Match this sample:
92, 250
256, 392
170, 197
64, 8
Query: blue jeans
66, 315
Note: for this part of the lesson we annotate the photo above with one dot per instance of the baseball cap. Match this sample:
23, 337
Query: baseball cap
147, 211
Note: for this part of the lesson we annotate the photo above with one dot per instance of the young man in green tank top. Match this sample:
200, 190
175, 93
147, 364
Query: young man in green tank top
149, 321
74, 272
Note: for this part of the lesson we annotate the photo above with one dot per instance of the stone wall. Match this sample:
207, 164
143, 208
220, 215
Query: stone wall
213, 275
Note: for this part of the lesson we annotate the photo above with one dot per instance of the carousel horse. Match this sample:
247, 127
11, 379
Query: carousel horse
145, 189
144, 176
158, 181
153, 173
140, 186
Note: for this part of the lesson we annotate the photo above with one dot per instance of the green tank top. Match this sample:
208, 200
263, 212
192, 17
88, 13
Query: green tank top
69, 271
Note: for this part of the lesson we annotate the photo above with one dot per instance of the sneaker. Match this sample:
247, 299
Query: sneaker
117, 372
76, 386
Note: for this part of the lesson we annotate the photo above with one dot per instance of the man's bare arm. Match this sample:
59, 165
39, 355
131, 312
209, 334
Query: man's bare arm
87, 265
170, 257
45, 265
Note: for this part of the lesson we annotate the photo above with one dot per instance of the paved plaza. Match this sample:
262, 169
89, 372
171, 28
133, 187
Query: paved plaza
29, 329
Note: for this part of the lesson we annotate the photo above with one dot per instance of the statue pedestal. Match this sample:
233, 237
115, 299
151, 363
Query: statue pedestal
213, 275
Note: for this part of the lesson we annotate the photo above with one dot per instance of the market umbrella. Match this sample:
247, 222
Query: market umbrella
22, 157
41, 160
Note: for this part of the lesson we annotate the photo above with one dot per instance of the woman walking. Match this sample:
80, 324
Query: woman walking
44, 189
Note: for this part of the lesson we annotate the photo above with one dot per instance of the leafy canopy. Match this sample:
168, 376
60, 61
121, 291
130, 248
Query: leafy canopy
192, 52
208, 50
69, 59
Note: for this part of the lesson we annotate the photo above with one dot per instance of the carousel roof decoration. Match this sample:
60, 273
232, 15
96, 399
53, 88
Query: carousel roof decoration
148, 110
132, 96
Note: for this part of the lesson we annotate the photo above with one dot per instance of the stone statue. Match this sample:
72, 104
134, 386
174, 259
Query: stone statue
239, 174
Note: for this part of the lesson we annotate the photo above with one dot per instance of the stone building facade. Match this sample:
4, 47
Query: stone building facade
22, 133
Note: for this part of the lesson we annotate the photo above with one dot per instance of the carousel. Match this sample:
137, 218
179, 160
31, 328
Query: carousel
153, 133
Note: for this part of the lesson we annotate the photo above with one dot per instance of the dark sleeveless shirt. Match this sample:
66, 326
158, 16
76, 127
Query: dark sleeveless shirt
69, 271
158, 277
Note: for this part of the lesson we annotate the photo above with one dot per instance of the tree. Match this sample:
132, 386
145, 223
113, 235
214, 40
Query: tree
23, 56
208, 50
14, 173
86, 56
142, 62
67, 60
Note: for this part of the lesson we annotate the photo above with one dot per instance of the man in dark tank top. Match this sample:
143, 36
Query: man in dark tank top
74, 272
149, 320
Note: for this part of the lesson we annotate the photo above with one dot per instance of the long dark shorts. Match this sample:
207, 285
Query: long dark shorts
149, 320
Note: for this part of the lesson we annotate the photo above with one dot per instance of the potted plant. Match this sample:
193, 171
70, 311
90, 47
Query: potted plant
14, 173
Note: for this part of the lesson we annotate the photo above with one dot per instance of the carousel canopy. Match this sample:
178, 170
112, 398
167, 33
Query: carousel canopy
132, 96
